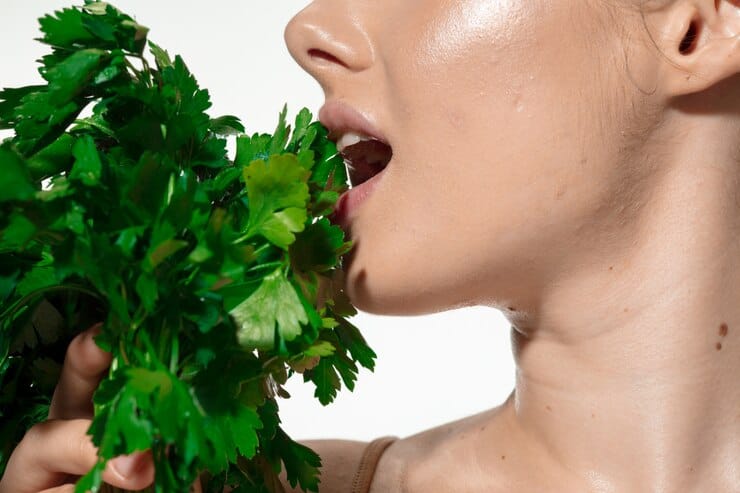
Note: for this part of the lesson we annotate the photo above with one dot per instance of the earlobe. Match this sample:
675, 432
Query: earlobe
701, 41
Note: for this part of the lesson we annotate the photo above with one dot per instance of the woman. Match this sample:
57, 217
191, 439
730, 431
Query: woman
573, 164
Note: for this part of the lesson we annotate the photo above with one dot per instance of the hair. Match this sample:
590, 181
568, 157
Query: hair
617, 8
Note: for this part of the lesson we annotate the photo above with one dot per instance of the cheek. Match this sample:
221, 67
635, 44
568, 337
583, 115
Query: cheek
491, 162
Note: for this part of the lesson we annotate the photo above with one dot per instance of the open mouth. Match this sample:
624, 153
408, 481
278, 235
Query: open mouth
365, 159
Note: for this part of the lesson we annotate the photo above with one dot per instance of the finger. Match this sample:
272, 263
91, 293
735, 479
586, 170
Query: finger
65, 488
84, 366
52, 450
135, 470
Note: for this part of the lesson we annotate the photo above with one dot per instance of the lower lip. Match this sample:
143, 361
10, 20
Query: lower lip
351, 200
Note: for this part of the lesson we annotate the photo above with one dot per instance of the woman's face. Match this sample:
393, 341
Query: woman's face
504, 116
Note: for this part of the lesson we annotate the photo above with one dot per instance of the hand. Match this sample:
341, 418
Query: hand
54, 453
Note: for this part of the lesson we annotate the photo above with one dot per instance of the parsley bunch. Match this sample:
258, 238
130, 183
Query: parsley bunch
216, 280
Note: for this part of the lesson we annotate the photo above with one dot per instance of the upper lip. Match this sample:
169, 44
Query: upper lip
340, 118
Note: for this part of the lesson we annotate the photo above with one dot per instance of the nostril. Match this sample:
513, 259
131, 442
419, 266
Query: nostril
317, 54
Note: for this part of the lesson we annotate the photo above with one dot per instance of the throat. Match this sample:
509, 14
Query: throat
629, 414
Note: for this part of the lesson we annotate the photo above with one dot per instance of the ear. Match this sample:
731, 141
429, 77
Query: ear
701, 39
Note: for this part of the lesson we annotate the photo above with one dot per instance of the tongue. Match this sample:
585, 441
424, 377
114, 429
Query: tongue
372, 152
361, 170
367, 158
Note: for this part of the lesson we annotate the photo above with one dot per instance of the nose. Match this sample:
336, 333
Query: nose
327, 39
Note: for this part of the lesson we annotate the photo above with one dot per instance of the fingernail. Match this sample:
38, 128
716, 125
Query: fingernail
127, 465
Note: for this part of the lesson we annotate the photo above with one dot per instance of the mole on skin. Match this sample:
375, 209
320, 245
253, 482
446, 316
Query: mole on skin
723, 329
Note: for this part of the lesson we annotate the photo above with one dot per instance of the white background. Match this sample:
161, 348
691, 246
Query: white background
430, 369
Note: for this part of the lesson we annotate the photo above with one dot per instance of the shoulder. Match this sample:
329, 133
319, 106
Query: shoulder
340, 460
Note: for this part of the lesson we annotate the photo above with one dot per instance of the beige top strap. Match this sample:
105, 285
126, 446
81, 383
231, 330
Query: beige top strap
369, 461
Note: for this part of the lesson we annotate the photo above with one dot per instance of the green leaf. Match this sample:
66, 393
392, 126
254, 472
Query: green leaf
112, 28
109, 73
275, 301
116, 399
10, 99
317, 246
68, 79
227, 125
92, 480
146, 288
100, 28
279, 228
15, 180
320, 348
325, 377
352, 339
216, 280
280, 135
302, 121
147, 188
272, 186
161, 252
18, 233
161, 57
243, 428
325, 202
250, 148
54, 158
301, 463
65, 29
41, 276
87, 167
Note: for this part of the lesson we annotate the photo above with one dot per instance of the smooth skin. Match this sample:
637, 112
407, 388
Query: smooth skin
552, 162
576, 165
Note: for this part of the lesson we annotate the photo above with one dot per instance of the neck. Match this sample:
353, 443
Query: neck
628, 374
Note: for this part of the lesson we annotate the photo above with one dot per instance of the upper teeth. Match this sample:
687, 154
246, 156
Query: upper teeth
351, 138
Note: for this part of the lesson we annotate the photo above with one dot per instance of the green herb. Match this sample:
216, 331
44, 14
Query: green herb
217, 280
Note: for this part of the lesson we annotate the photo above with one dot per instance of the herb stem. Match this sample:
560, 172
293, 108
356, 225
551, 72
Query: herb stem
122, 350
269, 265
136, 71
261, 249
244, 237
175, 353
52, 289
270, 361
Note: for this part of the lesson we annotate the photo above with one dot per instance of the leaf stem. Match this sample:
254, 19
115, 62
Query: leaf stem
262, 249
136, 71
244, 237
270, 361
175, 353
122, 350
52, 289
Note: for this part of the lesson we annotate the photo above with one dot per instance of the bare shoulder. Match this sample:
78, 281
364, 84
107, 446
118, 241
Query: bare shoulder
417, 463
442, 459
339, 461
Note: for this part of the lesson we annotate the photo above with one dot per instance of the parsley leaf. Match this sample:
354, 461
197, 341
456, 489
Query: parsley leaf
274, 302
278, 195
216, 279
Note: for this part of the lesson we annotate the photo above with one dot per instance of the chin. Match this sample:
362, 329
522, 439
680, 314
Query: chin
361, 295
394, 296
